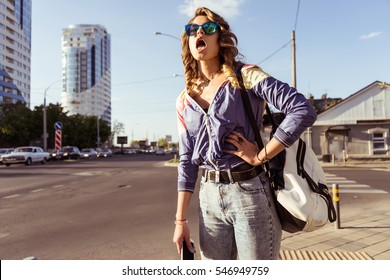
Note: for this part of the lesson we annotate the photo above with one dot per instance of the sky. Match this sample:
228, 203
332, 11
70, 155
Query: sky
341, 47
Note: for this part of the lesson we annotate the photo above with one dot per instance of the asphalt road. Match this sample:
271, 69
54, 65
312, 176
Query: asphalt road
120, 208
117, 208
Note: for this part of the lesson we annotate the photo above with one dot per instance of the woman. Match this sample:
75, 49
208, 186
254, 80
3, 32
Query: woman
237, 216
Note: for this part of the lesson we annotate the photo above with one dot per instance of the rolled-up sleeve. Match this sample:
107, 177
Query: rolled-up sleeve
187, 171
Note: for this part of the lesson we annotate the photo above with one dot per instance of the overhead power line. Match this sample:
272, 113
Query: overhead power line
275, 52
296, 16
289, 41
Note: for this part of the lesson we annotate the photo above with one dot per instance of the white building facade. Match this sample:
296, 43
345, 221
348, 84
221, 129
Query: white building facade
86, 71
15, 51
357, 127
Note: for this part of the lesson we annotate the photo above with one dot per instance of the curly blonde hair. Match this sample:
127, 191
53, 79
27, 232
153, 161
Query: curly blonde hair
228, 52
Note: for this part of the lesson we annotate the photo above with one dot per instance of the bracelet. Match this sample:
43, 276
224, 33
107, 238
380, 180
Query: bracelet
181, 222
263, 159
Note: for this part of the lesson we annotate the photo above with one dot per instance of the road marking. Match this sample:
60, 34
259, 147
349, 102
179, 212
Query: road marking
85, 173
378, 169
12, 196
3, 234
362, 191
57, 186
347, 186
340, 181
354, 186
37, 190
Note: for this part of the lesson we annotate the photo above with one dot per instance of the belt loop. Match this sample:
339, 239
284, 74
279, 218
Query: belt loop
229, 172
206, 175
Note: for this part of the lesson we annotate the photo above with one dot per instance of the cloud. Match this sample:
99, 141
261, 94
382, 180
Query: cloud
370, 35
226, 8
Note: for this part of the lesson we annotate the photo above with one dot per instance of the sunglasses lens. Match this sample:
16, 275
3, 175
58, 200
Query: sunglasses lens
191, 29
210, 28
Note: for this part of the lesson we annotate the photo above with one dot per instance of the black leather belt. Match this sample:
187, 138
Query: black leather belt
221, 176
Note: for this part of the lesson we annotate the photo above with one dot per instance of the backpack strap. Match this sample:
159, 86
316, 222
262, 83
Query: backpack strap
255, 128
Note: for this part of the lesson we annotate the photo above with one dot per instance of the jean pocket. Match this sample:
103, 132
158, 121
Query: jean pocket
252, 186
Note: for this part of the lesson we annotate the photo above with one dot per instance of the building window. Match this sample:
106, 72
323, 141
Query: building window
379, 140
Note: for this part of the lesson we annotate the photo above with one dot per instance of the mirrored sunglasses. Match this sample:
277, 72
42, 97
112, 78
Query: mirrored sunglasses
209, 28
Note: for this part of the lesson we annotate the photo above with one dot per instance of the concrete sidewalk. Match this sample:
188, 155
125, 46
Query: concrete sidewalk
365, 231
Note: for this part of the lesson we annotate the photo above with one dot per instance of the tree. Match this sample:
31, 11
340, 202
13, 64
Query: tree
54, 114
16, 125
81, 131
117, 128
21, 126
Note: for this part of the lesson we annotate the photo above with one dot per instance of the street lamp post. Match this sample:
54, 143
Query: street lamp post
164, 34
97, 131
45, 117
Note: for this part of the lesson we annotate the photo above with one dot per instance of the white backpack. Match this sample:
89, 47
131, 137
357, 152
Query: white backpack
302, 198
304, 202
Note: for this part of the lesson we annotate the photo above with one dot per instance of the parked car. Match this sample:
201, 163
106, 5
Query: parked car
69, 152
26, 155
4, 151
160, 151
88, 153
104, 153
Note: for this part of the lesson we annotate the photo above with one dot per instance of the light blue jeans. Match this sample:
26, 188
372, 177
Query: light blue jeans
238, 221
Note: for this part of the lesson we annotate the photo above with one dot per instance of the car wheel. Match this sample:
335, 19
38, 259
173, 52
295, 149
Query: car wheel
43, 161
7, 164
28, 161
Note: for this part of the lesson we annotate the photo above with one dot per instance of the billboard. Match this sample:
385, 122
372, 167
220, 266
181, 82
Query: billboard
121, 139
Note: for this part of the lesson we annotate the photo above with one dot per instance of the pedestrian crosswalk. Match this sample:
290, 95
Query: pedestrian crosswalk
350, 186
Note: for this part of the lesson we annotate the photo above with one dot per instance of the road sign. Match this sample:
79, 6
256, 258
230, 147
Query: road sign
121, 140
58, 125
58, 140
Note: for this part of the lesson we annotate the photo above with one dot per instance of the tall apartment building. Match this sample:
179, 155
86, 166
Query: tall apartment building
15, 51
86, 71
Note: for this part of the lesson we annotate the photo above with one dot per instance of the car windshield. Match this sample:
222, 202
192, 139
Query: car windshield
23, 150
86, 150
67, 149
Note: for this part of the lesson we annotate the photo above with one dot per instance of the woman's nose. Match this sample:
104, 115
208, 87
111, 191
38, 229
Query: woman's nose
200, 31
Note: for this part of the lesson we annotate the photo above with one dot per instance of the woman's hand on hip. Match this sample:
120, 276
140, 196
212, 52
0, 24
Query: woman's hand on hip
246, 150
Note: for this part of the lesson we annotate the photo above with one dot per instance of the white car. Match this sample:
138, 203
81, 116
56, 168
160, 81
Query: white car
3, 152
26, 155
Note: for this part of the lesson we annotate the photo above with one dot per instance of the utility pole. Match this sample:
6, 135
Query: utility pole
294, 80
294, 73
97, 131
44, 123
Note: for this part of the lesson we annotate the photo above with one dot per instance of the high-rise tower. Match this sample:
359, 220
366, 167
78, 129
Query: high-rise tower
86, 71
15, 51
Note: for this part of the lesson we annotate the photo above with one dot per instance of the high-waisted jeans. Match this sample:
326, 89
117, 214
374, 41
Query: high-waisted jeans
238, 221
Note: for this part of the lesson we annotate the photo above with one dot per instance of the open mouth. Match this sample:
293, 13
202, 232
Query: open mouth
200, 44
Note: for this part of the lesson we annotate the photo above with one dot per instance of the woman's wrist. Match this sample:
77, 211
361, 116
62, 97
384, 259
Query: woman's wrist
181, 222
264, 158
